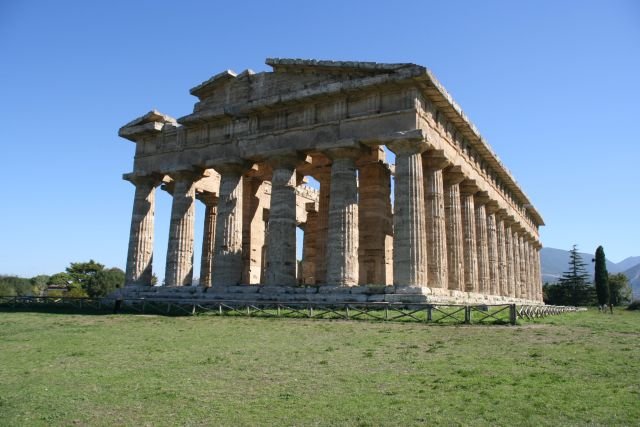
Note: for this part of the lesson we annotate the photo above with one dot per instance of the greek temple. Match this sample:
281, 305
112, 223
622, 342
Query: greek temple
409, 202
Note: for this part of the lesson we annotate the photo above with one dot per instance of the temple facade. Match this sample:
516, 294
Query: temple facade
445, 221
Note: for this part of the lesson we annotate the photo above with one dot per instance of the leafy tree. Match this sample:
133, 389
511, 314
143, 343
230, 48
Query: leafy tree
619, 289
82, 272
60, 280
39, 284
104, 282
576, 281
602, 277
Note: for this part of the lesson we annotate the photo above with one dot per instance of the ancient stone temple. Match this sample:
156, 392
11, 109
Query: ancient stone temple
444, 222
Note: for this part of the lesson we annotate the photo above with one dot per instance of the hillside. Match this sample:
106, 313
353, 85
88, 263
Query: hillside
556, 261
634, 279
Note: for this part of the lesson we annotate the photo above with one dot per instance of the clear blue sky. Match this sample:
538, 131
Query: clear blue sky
554, 86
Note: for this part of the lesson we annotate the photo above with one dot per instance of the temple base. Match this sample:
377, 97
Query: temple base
317, 294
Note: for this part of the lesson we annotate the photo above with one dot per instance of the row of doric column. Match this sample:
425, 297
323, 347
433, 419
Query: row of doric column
447, 233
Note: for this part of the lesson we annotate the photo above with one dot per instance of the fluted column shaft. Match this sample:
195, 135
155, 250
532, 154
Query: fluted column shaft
538, 277
309, 245
493, 253
374, 210
455, 236
208, 238
437, 272
523, 267
508, 246
469, 230
482, 244
324, 178
140, 253
228, 264
527, 271
516, 263
342, 244
409, 240
281, 239
179, 268
503, 287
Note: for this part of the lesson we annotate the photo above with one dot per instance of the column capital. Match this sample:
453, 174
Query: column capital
342, 149
492, 207
207, 197
286, 159
453, 175
407, 142
468, 187
186, 174
231, 165
153, 179
434, 160
481, 198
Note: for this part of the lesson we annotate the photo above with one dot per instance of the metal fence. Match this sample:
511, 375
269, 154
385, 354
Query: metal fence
379, 311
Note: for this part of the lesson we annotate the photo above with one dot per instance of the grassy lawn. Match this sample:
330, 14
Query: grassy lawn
66, 369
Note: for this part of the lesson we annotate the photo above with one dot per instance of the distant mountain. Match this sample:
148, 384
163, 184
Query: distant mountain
634, 280
554, 262
628, 263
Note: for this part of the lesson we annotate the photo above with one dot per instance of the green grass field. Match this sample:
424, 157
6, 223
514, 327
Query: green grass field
65, 369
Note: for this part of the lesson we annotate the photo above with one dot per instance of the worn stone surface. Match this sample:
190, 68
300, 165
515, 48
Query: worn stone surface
455, 236
140, 254
179, 266
208, 237
437, 272
450, 240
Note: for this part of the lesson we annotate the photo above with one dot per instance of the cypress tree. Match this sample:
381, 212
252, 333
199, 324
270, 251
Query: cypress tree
602, 277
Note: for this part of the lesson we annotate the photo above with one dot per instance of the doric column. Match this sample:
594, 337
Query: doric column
342, 240
538, 275
455, 237
482, 243
503, 275
324, 179
511, 260
228, 265
468, 189
309, 245
374, 210
409, 239
523, 265
527, 268
515, 247
140, 254
281, 238
492, 245
434, 162
179, 268
210, 201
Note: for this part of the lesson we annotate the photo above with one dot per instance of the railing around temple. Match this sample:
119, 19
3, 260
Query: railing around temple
379, 311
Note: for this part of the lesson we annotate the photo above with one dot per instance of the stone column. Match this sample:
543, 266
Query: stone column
502, 254
342, 240
228, 264
538, 276
482, 243
210, 202
493, 250
324, 178
309, 244
434, 162
374, 210
527, 268
140, 254
179, 268
409, 234
455, 237
508, 246
467, 190
515, 246
523, 266
281, 240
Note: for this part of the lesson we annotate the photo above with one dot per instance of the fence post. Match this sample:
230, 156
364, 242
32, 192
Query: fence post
429, 313
512, 314
467, 314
